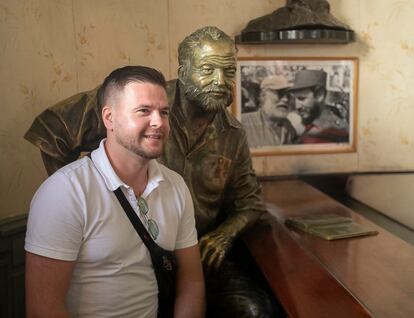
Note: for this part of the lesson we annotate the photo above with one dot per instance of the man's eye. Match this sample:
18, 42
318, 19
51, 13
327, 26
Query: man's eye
142, 111
165, 113
230, 72
207, 70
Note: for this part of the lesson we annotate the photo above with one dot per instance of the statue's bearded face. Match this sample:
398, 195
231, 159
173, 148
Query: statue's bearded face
209, 77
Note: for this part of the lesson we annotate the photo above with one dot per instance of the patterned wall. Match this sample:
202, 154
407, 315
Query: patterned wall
51, 49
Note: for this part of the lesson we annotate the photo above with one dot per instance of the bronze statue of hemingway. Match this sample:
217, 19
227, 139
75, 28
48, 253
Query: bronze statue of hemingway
207, 147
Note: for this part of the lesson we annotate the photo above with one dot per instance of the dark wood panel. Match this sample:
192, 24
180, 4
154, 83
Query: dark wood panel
12, 233
18, 302
359, 277
4, 286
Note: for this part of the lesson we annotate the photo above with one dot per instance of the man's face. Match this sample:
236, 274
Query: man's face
307, 105
275, 104
140, 119
210, 78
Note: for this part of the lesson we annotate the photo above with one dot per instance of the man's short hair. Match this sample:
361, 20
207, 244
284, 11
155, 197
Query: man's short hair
187, 46
119, 78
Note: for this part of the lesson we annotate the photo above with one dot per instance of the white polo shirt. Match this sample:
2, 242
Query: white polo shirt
75, 216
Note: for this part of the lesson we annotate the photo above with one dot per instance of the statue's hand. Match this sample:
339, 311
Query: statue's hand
214, 247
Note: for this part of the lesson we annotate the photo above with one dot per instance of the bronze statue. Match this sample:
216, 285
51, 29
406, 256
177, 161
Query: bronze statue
298, 14
300, 21
207, 147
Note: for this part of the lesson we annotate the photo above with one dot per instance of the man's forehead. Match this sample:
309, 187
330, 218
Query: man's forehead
219, 50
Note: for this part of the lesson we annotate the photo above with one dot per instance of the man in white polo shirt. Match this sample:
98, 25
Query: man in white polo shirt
84, 257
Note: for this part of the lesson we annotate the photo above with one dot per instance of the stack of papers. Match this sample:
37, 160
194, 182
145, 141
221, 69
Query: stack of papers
329, 226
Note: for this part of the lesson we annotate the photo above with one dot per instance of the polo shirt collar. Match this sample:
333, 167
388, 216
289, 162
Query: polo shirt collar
111, 179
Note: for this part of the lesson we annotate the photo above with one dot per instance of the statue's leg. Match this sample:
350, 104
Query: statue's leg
233, 292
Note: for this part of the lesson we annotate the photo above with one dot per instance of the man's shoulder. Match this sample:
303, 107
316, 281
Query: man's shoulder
252, 119
68, 180
74, 172
172, 180
169, 174
250, 115
329, 119
232, 120
285, 122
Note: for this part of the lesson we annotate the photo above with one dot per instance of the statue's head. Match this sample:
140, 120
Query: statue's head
207, 68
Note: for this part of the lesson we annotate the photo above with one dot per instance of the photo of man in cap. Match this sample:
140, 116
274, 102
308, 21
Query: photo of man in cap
269, 125
321, 123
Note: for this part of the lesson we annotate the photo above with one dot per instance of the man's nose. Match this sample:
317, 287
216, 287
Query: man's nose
156, 119
284, 98
219, 77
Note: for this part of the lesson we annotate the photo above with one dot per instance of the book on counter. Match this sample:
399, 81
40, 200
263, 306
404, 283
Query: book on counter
329, 226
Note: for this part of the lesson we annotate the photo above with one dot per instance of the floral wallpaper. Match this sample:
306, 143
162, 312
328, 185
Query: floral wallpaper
49, 50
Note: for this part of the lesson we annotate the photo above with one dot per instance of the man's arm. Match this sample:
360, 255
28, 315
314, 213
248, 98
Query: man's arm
190, 290
47, 283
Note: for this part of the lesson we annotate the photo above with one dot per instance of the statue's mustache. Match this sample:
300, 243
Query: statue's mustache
208, 90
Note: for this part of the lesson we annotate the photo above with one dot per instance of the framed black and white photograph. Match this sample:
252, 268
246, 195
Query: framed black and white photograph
298, 105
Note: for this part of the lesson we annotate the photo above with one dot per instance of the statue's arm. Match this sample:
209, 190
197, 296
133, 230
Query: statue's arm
51, 164
62, 132
216, 244
246, 209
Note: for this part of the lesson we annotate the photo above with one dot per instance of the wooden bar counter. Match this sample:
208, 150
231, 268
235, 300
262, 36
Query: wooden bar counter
371, 276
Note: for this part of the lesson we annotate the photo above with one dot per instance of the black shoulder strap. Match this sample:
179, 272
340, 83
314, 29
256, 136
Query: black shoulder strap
135, 221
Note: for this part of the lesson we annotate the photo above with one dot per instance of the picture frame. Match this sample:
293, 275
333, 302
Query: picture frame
323, 116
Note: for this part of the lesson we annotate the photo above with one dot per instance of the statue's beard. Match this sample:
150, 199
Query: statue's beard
205, 98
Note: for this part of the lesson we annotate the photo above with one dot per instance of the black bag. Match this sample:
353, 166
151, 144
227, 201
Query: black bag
164, 262
165, 268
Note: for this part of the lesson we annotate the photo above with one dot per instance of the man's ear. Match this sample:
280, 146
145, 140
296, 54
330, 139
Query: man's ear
107, 117
320, 95
181, 73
